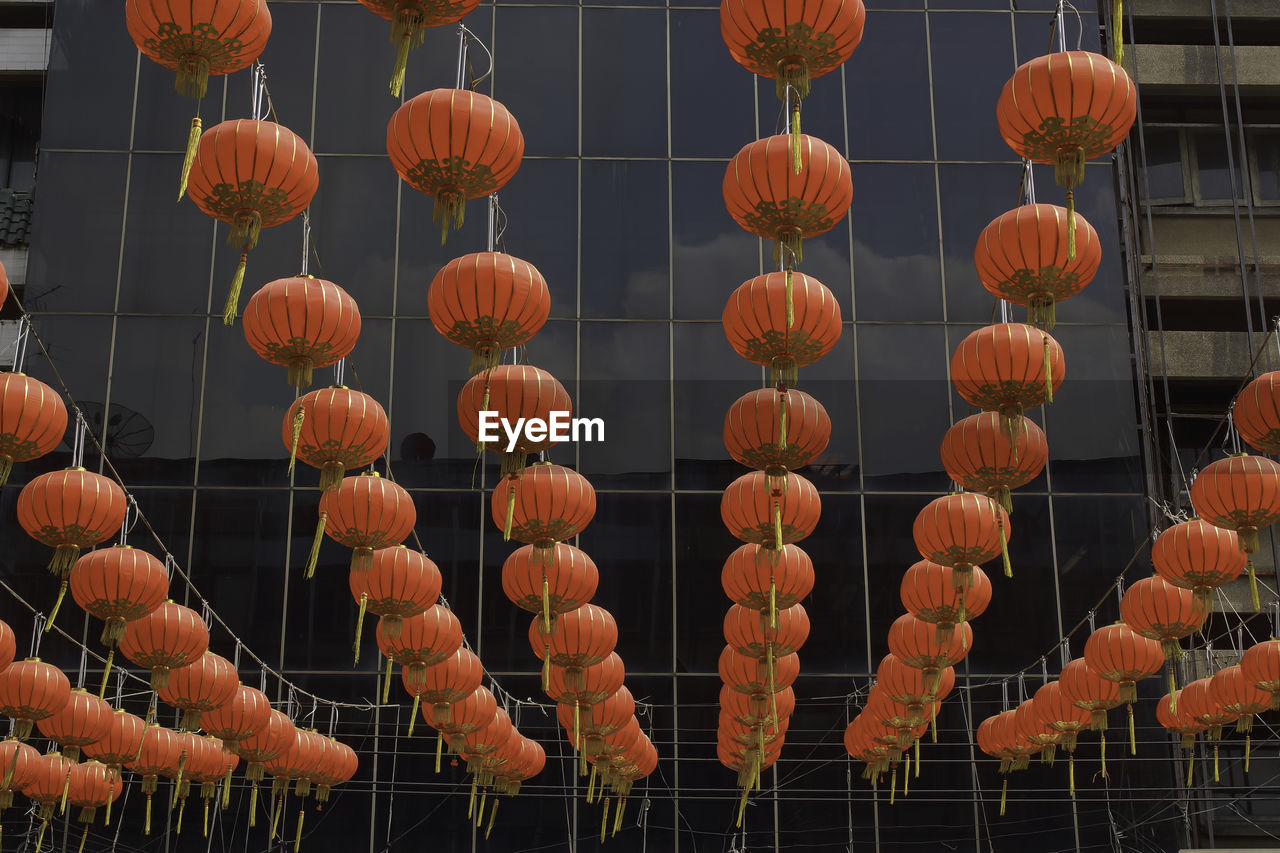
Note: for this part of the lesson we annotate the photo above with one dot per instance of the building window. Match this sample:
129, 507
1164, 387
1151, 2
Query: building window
1190, 165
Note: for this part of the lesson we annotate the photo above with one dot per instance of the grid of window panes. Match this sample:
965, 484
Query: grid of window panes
630, 112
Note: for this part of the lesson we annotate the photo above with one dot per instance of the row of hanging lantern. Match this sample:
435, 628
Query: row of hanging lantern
782, 188
238, 721
1035, 255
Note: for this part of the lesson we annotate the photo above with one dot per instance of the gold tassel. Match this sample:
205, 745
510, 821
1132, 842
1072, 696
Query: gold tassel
591, 784
226, 791
1048, 373
742, 803
1173, 691
62, 593
1133, 741
906, 772
64, 558
471, 802
917, 746
893, 784
782, 419
1215, 762
1071, 774
439, 749
1103, 752
604, 819
1117, 31
933, 723
106, 672
1191, 763
493, 815
795, 143
402, 63
297, 839
146, 826
386, 683
617, 815
1247, 745
193, 142
278, 806
546, 603
40, 835
83, 837
1253, 592
355, 646
777, 523
511, 508
413, 714
182, 810
773, 603
546, 669
299, 417
1004, 795
6, 468
232, 306
1071, 225
773, 690
1004, 553
111, 796
791, 311
314, 556
205, 826
66, 789
576, 723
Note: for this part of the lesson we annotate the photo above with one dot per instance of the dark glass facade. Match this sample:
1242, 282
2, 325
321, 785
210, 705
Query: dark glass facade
630, 113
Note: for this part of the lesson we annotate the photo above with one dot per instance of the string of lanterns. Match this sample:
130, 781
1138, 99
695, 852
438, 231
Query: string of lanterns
782, 188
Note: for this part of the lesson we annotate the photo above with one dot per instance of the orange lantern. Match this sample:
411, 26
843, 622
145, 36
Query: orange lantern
598, 720
364, 513
1256, 413
1160, 611
782, 321
750, 675
168, 638
770, 198
251, 175
8, 646
755, 512
443, 683
1065, 717
1008, 368
1203, 706
1089, 690
301, 323
962, 531
48, 785
20, 763
1240, 493
750, 633
161, 750
1119, 653
206, 683
1022, 257
1063, 109
83, 720
335, 430
578, 639
463, 717
767, 579
500, 398
1261, 667
982, 456
118, 585
1033, 729
486, 740
32, 690
1198, 556
776, 431
119, 745
931, 594
33, 420
199, 40
549, 581
68, 510
585, 687
425, 639
906, 684
92, 787
1235, 694
454, 145
546, 504
916, 643
244, 715
400, 583
791, 43
409, 22
339, 769
1175, 717
488, 302
264, 746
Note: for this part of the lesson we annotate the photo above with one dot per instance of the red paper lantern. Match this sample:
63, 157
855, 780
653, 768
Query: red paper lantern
1008, 368
8, 645
68, 510
199, 40
549, 581
1261, 666
48, 783
907, 684
767, 579
83, 720
931, 594
1232, 691
585, 686
962, 531
335, 430
1120, 654
1034, 729
32, 690
302, 323
244, 715
791, 43
755, 511
598, 720
1061, 714
119, 744
488, 302
20, 762
513, 393
776, 431
33, 420
1023, 257
400, 583
454, 145
364, 513
1240, 493
265, 744
751, 676
451, 680
251, 175
1256, 413
168, 638
425, 639
782, 322
751, 634
1204, 706
1176, 717
464, 716
917, 644
546, 504
1198, 556
487, 739
979, 454
206, 683
118, 585
409, 21
1089, 690
1160, 611
160, 753
578, 639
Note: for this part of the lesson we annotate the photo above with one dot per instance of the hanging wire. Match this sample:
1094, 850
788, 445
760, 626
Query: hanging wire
306, 241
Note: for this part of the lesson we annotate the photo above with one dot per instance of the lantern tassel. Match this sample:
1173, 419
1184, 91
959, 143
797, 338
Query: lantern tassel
742, 803
773, 690
917, 748
299, 417
146, 825
182, 810
106, 672
782, 413
546, 602
1253, 591
253, 806
773, 603
1133, 740
591, 784
62, 593
493, 815
777, 524
1048, 372
6, 468
111, 798
1102, 739
40, 834
297, 838
66, 790
795, 142
893, 784
546, 669
226, 791
232, 306
1117, 31
1071, 774
439, 749
511, 508
1215, 761
193, 142
413, 714
1191, 763
1004, 795
471, 801
617, 815
1247, 746
277, 807
1173, 691
402, 63
906, 772
386, 683
933, 723
83, 837
576, 723
1004, 553
1071, 225
314, 556
205, 825
64, 558
604, 819
791, 310
355, 646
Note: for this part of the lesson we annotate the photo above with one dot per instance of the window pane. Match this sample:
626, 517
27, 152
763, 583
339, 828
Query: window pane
1266, 151
1214, 166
